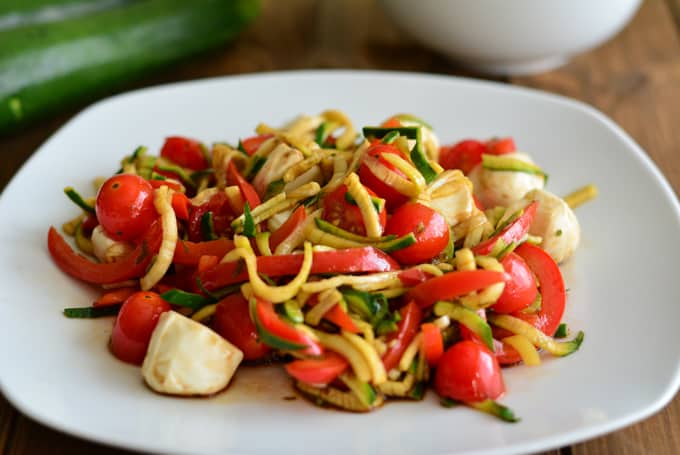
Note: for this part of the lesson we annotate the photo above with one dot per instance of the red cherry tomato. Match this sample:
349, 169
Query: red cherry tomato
185, 152
347, 215
125, 207
501, 146
318, 371
520, 289
393, 198
221, 213
429, 227
464, 155
133, 327
232, 321
469, 372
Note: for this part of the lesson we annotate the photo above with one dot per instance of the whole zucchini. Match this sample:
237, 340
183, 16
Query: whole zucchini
45, 67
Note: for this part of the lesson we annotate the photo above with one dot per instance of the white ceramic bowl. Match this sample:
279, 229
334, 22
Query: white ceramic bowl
511, 36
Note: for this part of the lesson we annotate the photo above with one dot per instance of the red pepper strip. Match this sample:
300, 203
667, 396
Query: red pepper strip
206, 262
512, 233
251, 144
114, 297
132, 266
433, 343
351, 260
413, 276
453, 285
407, 328
249, 194
180, 204
189, 253
339, 317
318, 371
553, 301
553, 293
278, 334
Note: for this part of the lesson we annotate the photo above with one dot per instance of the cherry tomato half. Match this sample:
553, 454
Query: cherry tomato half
125, 207
135, 322
338, 210
222, 216
520, 289
393, 198
232, 321
463, 155
185, 152
469, 372
429, 227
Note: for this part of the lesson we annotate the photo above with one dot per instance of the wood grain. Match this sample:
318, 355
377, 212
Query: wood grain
635, 79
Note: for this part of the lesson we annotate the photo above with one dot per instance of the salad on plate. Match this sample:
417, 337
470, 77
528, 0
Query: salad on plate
370, 265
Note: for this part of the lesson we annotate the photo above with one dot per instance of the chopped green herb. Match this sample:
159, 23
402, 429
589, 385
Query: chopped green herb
248, 222
187, 299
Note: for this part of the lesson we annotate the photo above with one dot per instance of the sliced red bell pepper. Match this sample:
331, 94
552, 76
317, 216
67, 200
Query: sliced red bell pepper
180, 204
339, 317
114, 297
251, 144
277, 333
206, 262
553, 293
132, 266
453, 285
514, 232
319, 371
553, 300
189, 253
413, 276
249, 194
294, 220
351, 260
433, 343
155, 183
407, 328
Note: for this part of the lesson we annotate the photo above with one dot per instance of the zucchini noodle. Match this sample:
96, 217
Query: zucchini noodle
336, 287
162, 201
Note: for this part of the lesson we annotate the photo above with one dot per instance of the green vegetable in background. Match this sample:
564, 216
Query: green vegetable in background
51, 65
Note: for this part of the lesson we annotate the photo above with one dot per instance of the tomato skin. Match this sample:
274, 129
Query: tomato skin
501, 146
393, 198
469, 372
232, 321
346, 215
520, 289
318, 371
429, 227
222, 217
125, 206
433, 343
136, 321
185, 152
463, 155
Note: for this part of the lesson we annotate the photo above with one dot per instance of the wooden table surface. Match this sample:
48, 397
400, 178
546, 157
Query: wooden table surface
634, 79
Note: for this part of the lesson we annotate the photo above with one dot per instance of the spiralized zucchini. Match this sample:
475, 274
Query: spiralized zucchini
284, 265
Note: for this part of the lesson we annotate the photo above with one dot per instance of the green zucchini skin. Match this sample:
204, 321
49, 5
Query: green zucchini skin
46, 67
18, 13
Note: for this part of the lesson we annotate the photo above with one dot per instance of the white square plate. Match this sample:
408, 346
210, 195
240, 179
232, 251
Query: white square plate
623, 281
